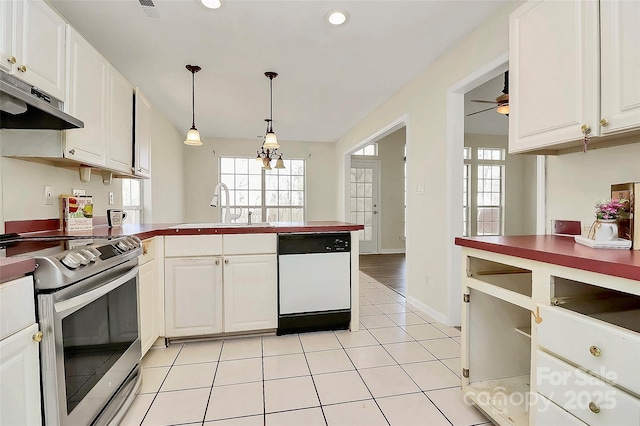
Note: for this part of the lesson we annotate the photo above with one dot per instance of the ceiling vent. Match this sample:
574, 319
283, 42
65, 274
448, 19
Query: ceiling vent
149, 8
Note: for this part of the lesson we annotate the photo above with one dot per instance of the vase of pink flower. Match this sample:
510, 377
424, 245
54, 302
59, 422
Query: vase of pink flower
605, 228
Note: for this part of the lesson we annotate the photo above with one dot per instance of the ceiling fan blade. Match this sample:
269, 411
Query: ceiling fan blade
482, 110
484, 102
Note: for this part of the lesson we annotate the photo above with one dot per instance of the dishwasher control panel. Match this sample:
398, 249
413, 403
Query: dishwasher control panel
335, 242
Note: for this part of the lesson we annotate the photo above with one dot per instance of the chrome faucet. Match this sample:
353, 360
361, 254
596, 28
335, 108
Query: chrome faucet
228, 217
249, 220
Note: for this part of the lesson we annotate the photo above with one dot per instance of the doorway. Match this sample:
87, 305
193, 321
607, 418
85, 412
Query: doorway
364, 185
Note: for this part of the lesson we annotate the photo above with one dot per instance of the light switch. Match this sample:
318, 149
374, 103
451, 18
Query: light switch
420, 188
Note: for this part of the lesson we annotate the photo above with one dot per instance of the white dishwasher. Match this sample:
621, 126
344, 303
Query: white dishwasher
314, 282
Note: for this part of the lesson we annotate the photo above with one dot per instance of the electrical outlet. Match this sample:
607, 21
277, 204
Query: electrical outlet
110, 198
78, 192
420, 188
48, 195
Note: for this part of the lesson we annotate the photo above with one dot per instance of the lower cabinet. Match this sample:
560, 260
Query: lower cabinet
193, 294
20, 378
250, 292
149, 296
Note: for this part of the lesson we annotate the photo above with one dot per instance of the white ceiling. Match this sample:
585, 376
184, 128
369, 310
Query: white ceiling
488, 122
330, 77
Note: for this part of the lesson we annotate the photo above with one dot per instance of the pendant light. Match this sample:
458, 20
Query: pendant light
270, 140
268, 150
193, 136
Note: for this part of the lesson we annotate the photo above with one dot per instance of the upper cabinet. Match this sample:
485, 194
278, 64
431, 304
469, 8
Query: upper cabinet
142, 136
32, 44
558, 89
102, 98
620, 66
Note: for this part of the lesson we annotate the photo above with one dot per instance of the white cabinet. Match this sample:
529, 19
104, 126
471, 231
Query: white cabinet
142, 135
193, 290
250, 292
87, 100
151, 293
33, 44
19, 360
572, 64
20, 379
620, 65
553, 73
120, 123
101, 97
6, 35
216, 284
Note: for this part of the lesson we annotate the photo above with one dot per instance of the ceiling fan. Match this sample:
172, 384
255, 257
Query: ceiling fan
502, 101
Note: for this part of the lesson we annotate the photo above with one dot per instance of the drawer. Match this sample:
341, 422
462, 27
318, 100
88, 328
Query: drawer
250, 243
547, 413
17, 306
149, 247
595, 345
193, 245
583, 395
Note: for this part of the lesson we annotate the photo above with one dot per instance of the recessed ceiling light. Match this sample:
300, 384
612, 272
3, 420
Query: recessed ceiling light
337, 17
211, 4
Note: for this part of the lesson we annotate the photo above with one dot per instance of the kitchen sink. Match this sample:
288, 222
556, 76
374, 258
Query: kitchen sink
220, 225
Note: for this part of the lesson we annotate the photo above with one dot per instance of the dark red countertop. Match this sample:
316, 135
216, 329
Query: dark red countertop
13, 267
563, 251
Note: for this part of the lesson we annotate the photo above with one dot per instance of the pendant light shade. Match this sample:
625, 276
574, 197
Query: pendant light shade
193, 136
280, 163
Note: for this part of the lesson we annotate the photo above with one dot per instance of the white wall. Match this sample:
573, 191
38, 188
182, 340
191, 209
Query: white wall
424, 104
391, 156
166, 187
201, 174
520, 213
576, 181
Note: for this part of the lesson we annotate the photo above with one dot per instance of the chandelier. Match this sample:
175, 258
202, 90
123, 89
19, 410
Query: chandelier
269, 149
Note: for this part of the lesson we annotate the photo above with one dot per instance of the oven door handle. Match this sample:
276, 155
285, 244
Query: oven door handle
83, 299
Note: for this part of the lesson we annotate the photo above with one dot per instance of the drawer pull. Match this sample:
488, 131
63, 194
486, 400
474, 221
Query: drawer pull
37, 337
595, 351
594, 407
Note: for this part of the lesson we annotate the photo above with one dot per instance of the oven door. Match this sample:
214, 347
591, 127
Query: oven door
90, 345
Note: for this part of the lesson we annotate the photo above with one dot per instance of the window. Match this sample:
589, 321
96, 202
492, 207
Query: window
275, 195
483, 192
132, 200
371, 149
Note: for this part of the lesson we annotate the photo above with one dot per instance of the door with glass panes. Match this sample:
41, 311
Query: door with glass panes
364, 207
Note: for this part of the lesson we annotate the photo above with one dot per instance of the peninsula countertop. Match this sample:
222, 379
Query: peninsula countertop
562, 251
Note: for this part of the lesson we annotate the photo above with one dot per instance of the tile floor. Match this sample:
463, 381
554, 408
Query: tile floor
401, 368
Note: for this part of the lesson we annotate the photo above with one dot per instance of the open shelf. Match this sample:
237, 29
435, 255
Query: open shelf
504, 399
511, 278
525, 331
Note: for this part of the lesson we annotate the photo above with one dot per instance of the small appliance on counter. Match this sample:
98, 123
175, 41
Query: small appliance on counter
115, 217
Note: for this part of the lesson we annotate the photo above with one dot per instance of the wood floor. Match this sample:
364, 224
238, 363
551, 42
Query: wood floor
388, 269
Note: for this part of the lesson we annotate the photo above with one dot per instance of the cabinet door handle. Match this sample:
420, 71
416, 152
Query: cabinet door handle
217, 261
11, 59
595, 351
22, 68
604, 122
72, 151
594, 407
226, 261
37, 337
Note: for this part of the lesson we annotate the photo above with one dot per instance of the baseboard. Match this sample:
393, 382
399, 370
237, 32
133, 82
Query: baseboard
436, 315
392, 251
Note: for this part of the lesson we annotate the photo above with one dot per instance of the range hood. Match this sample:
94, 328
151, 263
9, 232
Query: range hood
23, 106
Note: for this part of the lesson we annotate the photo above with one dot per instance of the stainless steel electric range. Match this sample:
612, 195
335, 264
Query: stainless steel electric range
87, 309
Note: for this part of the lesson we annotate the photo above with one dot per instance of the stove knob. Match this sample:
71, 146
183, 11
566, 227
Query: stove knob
88, 254
70, 261
134, 243
122, 246
94, 251
84, 259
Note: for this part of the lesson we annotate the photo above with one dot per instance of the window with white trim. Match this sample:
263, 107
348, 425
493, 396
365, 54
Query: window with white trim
276, 195
371, 149
132, 200
483, 192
